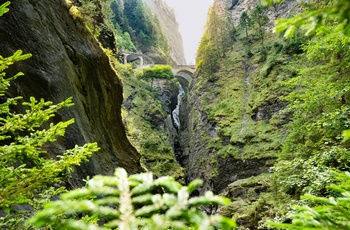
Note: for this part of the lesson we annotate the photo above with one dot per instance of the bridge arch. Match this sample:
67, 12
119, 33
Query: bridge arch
184, 74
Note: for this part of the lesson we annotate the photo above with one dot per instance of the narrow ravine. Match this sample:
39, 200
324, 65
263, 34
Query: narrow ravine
179, 126
176, 111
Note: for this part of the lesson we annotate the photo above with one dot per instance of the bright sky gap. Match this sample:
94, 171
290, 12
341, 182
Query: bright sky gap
191, 16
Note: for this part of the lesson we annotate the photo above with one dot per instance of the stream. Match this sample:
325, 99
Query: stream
176, 111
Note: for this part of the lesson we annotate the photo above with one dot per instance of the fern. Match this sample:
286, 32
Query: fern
133, 202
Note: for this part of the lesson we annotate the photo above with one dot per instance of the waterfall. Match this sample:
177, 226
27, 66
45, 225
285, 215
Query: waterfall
176, 111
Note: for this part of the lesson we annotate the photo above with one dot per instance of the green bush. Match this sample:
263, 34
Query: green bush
326, 212
133, 202
158, 71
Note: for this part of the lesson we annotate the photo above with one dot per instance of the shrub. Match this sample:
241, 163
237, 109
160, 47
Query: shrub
158, 71
327, 213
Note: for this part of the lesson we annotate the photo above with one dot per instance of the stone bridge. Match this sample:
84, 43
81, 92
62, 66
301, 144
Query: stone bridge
184, 74
131, 57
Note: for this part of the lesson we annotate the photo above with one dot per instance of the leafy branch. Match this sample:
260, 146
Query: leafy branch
133, 202
316, 19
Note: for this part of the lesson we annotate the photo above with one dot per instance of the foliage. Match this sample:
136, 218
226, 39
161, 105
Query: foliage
331, 212
245, 97
120, 23
245, 22
270, 2
158, 71
240, 93
294, 45
25, 170
319, 102
134, 18
318, 19
90, 11
320, 95
124, 41
4, 8
216, 41
96, 14
207, 58
278, 47
35, 172
260, 19
219, 30
225, 97
133, 202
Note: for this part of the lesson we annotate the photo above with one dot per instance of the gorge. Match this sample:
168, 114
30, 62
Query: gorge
259, 118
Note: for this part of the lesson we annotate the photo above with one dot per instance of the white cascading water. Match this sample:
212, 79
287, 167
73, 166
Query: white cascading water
176, 111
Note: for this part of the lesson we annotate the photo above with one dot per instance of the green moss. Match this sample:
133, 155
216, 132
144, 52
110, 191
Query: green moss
236, 128
258, 201
247, 96
230, 101
214, 166
215, 143
229, 150
264, 179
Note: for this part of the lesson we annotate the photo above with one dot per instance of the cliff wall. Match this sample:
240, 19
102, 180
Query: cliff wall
68, 61
170, 28
235, 122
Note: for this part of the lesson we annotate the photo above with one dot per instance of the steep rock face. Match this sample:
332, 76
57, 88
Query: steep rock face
167, 93
182, 135
259, 115
67, 61
237, 7
235, 125
195, 129
170, 28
